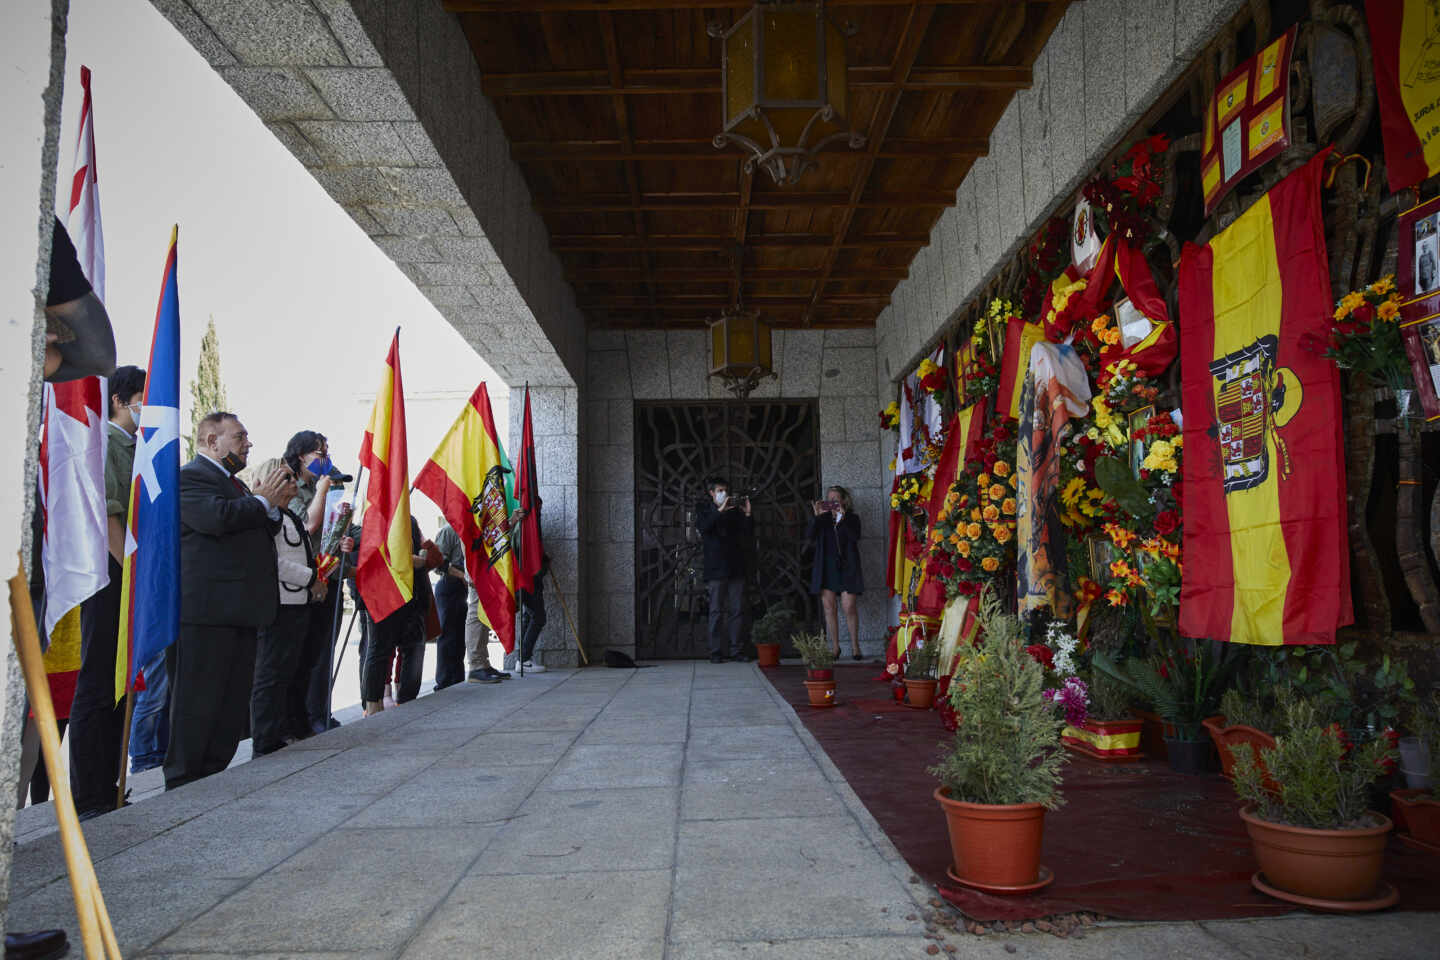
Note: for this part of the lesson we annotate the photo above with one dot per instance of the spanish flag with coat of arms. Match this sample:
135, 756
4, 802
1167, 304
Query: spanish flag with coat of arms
1265, 551
469, 478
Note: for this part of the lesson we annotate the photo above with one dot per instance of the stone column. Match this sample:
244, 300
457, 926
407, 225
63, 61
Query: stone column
32, 46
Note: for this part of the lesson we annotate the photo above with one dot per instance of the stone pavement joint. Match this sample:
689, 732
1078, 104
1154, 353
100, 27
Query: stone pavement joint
682, 812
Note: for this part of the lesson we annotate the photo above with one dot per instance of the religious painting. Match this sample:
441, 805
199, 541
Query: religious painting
1134, 423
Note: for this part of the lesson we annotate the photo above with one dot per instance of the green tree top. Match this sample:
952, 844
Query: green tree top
207, 390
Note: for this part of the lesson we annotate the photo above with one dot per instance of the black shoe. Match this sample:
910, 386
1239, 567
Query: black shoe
717, 658
259, 750
92, 813
741, 657
480, 676
39, 945
496, 673
857, 656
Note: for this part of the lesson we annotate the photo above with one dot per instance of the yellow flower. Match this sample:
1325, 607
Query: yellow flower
927, 367
983, 480
972, 530
1387, 310
1351, 300
975, 514
1384, 284
962, 547
997, 491
1014, 480
1117, 598
1001, 532
1103, 418
891, 468
990, 514
1119, 569
1100, 323
1009, 505
1002, 469
1072, 490
954, 539
990, 564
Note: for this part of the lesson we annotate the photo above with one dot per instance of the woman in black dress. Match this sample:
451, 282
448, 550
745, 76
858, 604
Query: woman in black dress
835, 530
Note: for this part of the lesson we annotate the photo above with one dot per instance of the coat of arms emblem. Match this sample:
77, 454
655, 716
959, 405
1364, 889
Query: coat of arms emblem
491, 517
1254, 398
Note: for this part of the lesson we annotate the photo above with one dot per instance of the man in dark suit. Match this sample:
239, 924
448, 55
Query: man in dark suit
726, 529
229, 589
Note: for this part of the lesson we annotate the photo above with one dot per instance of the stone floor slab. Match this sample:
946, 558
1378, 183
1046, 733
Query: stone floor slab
614, 766
764, 741
623, 730
453, 796
556, 833
606, 916
500, 747
752, 789
833, 948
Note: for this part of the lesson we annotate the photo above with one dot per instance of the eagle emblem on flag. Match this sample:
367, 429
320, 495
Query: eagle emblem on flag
491, 517
1253, 399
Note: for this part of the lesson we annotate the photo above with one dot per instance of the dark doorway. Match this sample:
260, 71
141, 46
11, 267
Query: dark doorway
768, 450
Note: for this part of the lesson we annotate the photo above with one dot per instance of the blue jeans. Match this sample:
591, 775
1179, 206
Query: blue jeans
150, 725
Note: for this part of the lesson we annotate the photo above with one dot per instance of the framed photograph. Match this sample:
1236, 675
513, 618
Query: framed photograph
1102, 554
1422, 346
1134, 422
1134, 325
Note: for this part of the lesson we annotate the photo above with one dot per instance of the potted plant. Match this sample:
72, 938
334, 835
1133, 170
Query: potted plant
819, 659
1110, 733
769, 631
1316, 841
1246, 719
1001, 770
1184, 685
1417, 808
920, 663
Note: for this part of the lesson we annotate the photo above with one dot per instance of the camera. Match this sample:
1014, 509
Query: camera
831, 505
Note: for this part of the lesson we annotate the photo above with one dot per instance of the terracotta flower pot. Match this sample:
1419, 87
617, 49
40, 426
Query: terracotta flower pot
822, 692
1110, 741
920, 694
995, 847
1417, 814
767, 654
1319, 865
820, 673
1153, 733
1233, 736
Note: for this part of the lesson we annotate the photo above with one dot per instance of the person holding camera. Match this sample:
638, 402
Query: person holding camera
835, 531
726, 528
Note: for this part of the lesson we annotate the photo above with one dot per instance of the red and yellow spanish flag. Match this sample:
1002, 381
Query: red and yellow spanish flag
385, 572
468, 477
1265, 553
1020, 339
1407, 81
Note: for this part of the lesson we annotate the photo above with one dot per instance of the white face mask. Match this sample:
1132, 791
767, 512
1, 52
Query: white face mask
720, 497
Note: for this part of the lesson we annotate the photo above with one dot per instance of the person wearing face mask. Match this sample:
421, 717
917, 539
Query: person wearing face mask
308, 457
229, 588
725, 529
97, 722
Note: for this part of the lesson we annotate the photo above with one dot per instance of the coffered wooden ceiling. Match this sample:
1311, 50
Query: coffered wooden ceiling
610, 107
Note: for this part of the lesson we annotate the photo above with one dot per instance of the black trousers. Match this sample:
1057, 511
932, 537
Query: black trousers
533, 610
727, 598
211, 672
403, 631
279, 650
314, 679
97, 722
450, 647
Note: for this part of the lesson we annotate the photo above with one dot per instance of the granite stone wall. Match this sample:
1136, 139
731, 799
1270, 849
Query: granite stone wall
836, 367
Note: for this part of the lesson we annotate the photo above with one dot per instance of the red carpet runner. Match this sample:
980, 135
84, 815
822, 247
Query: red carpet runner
1133, 841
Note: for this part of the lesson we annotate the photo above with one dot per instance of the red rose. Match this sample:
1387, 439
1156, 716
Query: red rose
1167, 522
1042, 654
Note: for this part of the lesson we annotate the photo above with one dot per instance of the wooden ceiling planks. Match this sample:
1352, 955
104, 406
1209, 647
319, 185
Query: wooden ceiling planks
610, 107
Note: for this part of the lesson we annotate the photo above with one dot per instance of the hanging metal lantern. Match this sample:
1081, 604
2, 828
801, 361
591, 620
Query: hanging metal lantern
784, 86
740, 350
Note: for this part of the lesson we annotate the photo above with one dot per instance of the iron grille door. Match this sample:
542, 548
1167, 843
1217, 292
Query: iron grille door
767, 449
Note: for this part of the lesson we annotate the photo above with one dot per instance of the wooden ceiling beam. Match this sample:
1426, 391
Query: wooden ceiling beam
666, 81
752, 274
778, 200
616, 243
701, 148
627, 144
904, 64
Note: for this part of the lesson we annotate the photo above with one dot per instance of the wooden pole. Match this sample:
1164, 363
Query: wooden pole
125, 736
578, 646
96, 933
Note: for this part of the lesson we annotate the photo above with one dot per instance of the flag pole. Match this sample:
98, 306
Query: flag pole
340, 597
565, 607
125, 735
519, 560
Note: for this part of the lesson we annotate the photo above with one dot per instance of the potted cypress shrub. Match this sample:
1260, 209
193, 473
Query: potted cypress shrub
819, 659
769, 631
1316, 841
920, 663
1001, 770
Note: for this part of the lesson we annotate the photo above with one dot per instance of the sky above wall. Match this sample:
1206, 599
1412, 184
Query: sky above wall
304, 303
